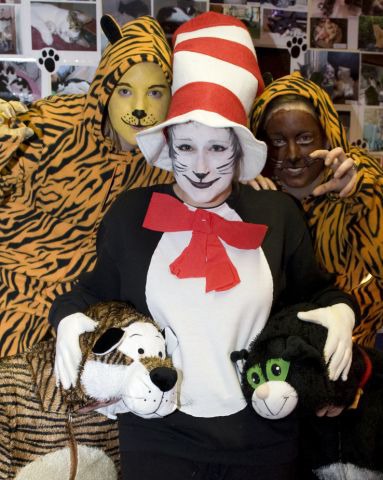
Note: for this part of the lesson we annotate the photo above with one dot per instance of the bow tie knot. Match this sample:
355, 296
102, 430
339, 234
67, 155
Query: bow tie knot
205, 256
202, 222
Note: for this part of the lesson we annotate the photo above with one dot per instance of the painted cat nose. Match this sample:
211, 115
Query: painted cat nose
201, 176
139, 114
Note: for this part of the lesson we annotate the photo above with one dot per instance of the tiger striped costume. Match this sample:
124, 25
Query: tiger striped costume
43, 432
347, 232
57, 186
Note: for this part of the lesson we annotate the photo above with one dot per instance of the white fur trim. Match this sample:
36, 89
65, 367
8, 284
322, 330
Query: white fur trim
94, 464
347, 471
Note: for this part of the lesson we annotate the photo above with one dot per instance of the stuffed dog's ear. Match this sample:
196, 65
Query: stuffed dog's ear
108, 341
296, 347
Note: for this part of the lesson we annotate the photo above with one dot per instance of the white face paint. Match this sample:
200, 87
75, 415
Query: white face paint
203, 165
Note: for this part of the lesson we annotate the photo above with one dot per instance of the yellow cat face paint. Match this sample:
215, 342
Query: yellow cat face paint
139, 101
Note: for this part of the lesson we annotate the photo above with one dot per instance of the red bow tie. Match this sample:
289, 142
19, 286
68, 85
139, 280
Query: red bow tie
205, 256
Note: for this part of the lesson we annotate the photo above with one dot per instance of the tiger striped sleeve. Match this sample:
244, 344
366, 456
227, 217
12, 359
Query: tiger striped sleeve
6, 423
366, 233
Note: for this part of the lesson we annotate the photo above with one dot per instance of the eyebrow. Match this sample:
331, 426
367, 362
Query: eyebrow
182, 139
126, 84
209, 141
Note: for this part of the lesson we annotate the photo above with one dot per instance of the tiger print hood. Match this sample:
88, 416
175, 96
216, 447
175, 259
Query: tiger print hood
141, 40
296, 84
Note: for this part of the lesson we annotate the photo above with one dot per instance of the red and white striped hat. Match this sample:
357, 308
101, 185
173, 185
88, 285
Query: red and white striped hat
215, 80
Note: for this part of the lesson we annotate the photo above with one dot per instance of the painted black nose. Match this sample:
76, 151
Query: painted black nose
201, 176
139, 114
164, 378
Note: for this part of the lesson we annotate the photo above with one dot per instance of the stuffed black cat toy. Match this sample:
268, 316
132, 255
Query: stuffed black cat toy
284, 370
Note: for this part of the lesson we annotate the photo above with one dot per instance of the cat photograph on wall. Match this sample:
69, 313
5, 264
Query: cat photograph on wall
370, 33
63, 26
7, 30
328, 33
20, 81
70, 79
172, 16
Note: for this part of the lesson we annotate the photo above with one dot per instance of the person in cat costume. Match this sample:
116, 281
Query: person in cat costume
56, 186
346, 229
209, 260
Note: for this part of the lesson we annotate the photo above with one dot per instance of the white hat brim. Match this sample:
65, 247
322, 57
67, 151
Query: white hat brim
153, 145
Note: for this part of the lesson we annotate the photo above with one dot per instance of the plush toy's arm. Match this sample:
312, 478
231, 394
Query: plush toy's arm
5, 444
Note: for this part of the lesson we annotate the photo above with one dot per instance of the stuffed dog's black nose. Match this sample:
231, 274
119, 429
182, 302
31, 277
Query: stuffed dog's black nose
164, 378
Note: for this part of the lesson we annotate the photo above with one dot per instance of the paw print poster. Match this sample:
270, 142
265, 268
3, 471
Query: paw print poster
54, 34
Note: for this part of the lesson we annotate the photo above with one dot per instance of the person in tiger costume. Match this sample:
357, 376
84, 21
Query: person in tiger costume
295, 117
56, 185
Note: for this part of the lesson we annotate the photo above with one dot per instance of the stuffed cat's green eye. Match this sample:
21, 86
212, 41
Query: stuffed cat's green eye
255, 376
277, 369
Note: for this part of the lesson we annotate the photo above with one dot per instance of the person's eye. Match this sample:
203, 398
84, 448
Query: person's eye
124, 92
184, 147
277, 142
155, 94
305, 139
218, 148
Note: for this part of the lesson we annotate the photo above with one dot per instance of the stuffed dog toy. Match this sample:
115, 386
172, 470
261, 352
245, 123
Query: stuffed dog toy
47, 432
284, 370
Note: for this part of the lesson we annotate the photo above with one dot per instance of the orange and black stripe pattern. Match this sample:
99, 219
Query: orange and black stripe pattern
347, 233
58, 185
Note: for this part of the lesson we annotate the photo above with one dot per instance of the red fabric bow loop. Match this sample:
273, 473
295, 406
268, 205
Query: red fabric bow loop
205, 256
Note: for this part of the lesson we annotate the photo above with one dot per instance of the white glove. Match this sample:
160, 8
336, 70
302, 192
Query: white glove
8, 112
339, 320
68, 352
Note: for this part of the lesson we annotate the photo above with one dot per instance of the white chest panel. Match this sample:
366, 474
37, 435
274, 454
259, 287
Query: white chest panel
209, 326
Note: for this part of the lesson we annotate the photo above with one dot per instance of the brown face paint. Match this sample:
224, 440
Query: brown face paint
291, 136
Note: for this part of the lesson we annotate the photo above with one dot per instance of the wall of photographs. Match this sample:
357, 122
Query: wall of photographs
54, 47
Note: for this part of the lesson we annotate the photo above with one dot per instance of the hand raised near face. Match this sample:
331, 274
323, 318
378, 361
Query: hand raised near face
262, 183
344, 168
8, 123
